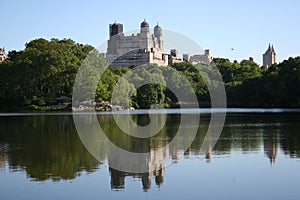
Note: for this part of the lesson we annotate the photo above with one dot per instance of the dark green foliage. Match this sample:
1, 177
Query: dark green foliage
34, 77
41, 72
252, 86
46, 147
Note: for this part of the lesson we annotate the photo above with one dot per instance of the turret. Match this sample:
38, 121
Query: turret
157, 31
158, 36
145, 29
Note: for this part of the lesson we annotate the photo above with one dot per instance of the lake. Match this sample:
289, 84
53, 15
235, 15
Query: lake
256, 157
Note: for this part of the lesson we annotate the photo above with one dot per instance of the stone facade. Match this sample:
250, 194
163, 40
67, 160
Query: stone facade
269, 58
194, 59
3, 55
142, 48
200, 58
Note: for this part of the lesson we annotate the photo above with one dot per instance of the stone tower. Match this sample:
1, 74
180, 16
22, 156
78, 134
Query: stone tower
145, 36
145, 29
158, 36
269, 58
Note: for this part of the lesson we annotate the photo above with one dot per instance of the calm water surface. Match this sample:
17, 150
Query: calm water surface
256, 157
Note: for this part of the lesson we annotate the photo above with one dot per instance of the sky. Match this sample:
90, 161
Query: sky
246, 26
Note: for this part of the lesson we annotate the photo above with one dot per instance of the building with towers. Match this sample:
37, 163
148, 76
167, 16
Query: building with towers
142, 48
269, 58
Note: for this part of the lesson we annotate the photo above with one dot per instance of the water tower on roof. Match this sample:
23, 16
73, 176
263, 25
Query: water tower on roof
115, 29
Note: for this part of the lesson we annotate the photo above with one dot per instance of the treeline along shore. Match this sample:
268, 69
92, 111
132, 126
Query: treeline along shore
42, 74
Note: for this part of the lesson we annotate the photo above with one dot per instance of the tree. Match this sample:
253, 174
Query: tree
41, 72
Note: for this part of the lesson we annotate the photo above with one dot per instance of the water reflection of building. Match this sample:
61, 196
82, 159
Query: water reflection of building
208, 156
2, 157
153, 163
271, 146
118, 178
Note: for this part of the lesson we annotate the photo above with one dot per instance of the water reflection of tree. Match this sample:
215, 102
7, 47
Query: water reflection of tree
240, 133
290, 138
46, 147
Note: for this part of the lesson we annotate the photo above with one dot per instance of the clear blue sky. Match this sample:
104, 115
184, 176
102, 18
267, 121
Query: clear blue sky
246, 26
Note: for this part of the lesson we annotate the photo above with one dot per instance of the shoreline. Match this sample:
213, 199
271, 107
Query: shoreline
164, 111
